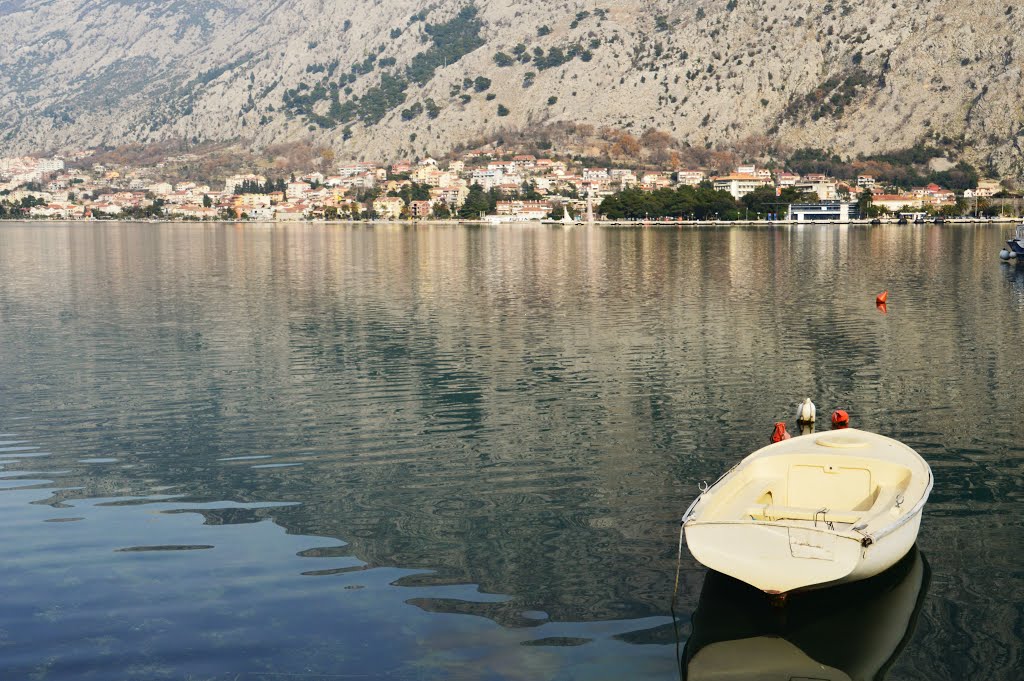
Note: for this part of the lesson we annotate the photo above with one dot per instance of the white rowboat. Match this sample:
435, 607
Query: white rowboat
812, 511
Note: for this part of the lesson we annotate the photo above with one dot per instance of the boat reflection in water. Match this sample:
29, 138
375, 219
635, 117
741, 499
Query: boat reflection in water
851, 632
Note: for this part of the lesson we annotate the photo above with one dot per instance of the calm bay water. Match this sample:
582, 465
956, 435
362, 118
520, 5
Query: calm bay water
462, 452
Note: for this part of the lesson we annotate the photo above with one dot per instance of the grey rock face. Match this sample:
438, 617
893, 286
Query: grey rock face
391, 78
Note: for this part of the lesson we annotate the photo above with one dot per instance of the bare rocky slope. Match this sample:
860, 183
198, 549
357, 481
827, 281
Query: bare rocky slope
387, 78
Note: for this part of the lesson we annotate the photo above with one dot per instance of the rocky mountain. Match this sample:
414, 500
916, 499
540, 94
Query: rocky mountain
388, 78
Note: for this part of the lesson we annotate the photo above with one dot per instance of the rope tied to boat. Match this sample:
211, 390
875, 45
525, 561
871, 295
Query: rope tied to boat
675, 594
866, 539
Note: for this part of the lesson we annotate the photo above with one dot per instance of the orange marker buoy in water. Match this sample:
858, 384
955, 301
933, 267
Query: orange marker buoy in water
780, 434
882, 298
840, 419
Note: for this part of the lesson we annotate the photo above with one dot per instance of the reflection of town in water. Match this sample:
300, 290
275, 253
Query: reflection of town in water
525, 410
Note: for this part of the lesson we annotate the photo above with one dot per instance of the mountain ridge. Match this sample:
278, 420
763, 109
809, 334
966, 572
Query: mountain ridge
394, 78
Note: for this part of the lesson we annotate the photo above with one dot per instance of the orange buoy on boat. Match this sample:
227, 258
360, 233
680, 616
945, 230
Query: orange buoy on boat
882, 298
780, 434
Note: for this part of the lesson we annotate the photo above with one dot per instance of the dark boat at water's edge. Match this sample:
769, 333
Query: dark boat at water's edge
1015, 245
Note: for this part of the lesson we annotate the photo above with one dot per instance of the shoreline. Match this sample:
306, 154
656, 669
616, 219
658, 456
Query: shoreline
531, 223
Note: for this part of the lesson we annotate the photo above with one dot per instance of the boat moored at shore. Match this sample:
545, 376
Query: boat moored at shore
1015, 245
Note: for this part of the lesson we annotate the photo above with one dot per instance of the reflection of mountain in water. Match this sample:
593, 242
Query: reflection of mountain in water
848, 633
524, 409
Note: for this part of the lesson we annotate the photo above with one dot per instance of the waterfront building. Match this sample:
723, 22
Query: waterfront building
266, 213
527, 210
896, 202
388, 207
822, 211
420, 209
291, 212
246, 202
194, 212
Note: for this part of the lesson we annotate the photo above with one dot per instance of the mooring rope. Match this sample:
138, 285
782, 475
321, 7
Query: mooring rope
675, 594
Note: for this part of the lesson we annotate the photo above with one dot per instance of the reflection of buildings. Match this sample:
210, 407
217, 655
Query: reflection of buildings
527, 409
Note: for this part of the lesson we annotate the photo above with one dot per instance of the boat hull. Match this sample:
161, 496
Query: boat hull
778, 559
774, 558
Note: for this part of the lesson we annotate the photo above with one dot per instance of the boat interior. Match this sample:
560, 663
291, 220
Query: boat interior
836, 492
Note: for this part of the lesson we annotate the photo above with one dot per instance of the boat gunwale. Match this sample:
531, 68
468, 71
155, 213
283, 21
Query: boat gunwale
872, 537
845, 534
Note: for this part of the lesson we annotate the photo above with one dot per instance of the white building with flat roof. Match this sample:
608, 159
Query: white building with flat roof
739, 185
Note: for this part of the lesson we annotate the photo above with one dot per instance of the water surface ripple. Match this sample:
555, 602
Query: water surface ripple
445, 452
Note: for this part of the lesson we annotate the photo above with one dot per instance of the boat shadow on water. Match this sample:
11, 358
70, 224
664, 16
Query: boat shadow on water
852, 632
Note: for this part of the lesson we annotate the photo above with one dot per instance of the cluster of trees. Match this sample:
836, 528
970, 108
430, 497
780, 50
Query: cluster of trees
830, 99
413, 192
480, 201
556, 56
254, 187
18, 209
904, 168
701, 203
450, 41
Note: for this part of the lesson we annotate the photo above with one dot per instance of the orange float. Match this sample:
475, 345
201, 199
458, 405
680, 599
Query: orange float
840, 419
780, 434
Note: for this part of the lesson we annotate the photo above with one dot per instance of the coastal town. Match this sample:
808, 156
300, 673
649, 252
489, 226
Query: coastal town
474, 186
